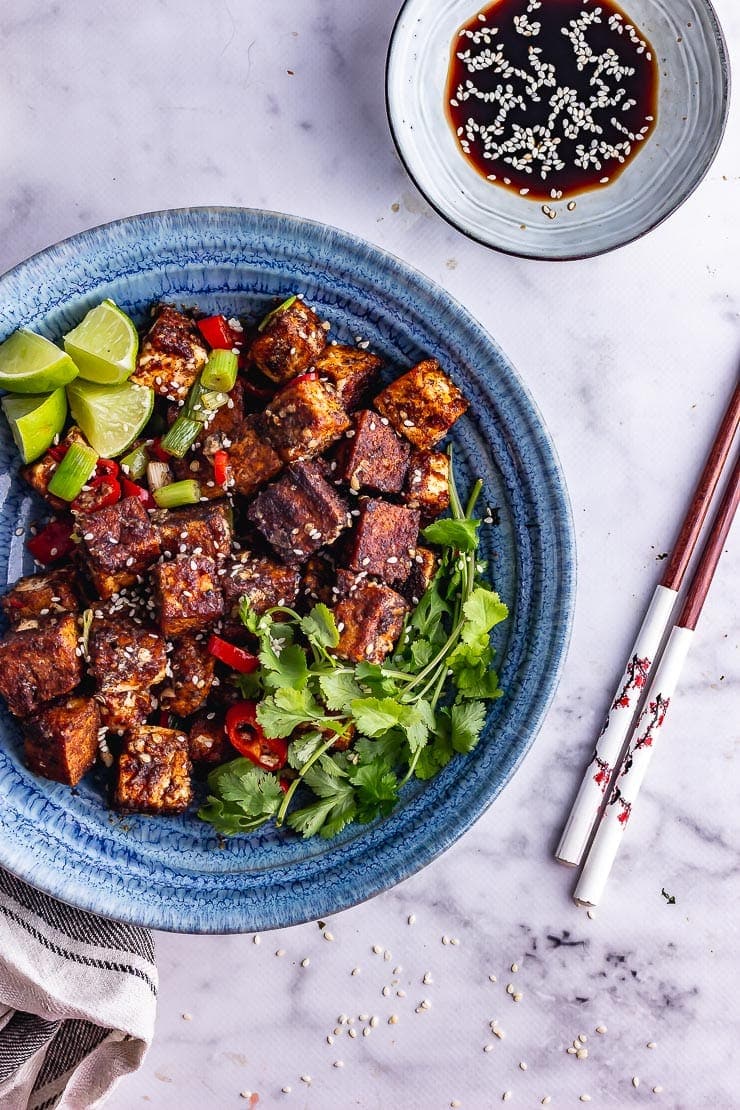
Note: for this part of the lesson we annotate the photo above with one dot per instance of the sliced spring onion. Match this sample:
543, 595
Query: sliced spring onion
73, 471
134, 464
277, 312
220, 371
211, 400
158, 474
186, 492
192, 401
181, 436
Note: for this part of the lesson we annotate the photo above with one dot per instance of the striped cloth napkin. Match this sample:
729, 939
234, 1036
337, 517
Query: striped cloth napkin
77, 1001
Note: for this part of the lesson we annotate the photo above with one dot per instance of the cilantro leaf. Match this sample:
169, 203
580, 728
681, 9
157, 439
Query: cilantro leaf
338, 690
287, 709
483, 610
334, 808
319, 627
303, 746
377, 791
462, 535
467, 721
288, 668
391, 748
372, 676
374, 716
243, 797
436, 755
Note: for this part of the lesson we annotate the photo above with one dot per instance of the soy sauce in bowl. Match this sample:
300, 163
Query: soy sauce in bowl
550, 98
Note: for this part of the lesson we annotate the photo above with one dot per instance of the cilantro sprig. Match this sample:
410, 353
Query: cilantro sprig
406, 717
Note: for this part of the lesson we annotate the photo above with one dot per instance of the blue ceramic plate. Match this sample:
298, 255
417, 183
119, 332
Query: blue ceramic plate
172, 873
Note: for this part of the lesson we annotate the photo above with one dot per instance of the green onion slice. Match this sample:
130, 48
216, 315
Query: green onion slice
134, 464
177, 493
220, 371
73, 471
181, 436
277, 312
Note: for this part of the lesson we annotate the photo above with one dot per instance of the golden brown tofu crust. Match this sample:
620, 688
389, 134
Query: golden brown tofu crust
207, 739
423, 404
373, 456
127, 660
289, 343
318, 581
369, 620
154, 772
264, 581
187, 594
196, 465
299, 513
423, 569
171, 355
428, 483
384, 540
119, 540
252, 460
189, 683
40, 596
350, 370
200, 530
39, 664
61, 739
303, 419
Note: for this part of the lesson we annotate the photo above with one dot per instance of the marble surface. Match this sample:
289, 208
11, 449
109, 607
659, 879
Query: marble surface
126, 107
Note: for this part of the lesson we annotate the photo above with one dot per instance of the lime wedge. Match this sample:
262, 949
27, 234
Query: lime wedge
104, 346
35, 421
110, 416
31, 364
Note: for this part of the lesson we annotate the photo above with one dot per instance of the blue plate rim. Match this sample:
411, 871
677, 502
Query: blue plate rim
419, 855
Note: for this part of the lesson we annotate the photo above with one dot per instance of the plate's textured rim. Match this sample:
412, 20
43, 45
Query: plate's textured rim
691, 186
236, 915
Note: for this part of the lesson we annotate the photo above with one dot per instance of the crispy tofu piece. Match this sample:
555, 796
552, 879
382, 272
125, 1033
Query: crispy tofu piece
369, 619
120, 542
191, 667
252, 460
223, 424
264, 581
350, 370
40, 596
200, 530
207, 739
423, 404
374, 456
198, 466
61, 739
171, 355
384, 541
126, 660
288, 342
428, 483
38, 474
154, 772
187, 593
318, 581
303, 419
423, 569
39, 664
299, 513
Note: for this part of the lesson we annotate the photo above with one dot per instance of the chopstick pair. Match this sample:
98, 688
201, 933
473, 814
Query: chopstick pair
634, 681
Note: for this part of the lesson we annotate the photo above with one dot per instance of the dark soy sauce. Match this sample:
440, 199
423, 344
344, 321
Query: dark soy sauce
550, 98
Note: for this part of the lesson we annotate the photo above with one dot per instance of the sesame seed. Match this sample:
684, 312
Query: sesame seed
581, 1053
280, 951
546, 1100
585, 1098
355, 971
328, 935
286, 1090
657, 1090
377, 949
582, 1038
600, 1029
339, 1063
635, 1081
522, 1065
411, 919
506, 1096
306, 1079
385, 991
330, 1039
492, 979
518, 996
515, 968
427, 978
305, 961
187, 1017
651, 1044
393, 1019
256, 939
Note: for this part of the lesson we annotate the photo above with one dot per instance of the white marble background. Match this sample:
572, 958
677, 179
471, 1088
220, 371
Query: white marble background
115, 108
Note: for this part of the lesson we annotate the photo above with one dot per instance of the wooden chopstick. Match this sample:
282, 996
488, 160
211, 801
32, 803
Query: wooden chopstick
642, 743
610, 742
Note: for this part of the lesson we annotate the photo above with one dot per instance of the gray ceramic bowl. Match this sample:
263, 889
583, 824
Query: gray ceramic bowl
692, 112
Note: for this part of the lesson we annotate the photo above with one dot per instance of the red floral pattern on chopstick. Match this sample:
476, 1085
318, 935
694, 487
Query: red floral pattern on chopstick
635, 679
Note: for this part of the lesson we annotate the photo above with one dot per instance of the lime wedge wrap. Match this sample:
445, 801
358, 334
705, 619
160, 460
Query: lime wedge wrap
110, 416
104, 345
31, 364
35, 421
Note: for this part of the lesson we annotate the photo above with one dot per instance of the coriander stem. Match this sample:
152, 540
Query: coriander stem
296, 782
473, 498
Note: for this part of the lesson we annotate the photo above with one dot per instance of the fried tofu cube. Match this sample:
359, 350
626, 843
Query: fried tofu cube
126, 660
191, 667
187, 594
220, 425
423, 569
198, 466
384, 541
39, 664
38, 474
252, 461
171, 355
318, 581
303, 419
423, 404
154, 772
374, 456
350, 371
428, 483
197, 530
264, 581
288, 342
61, 740
120, 542
40, 596
299, 513
207, 739
369, 620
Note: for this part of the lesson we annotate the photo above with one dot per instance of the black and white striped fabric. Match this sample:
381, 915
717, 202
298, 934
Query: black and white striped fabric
77, 1001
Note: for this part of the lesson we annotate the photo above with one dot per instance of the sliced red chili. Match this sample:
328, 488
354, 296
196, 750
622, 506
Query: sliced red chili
235, 657
246, 735
58, 451
221, 468
219, 334
52, 542
132, 489
154, 450
101, 492
107, 468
